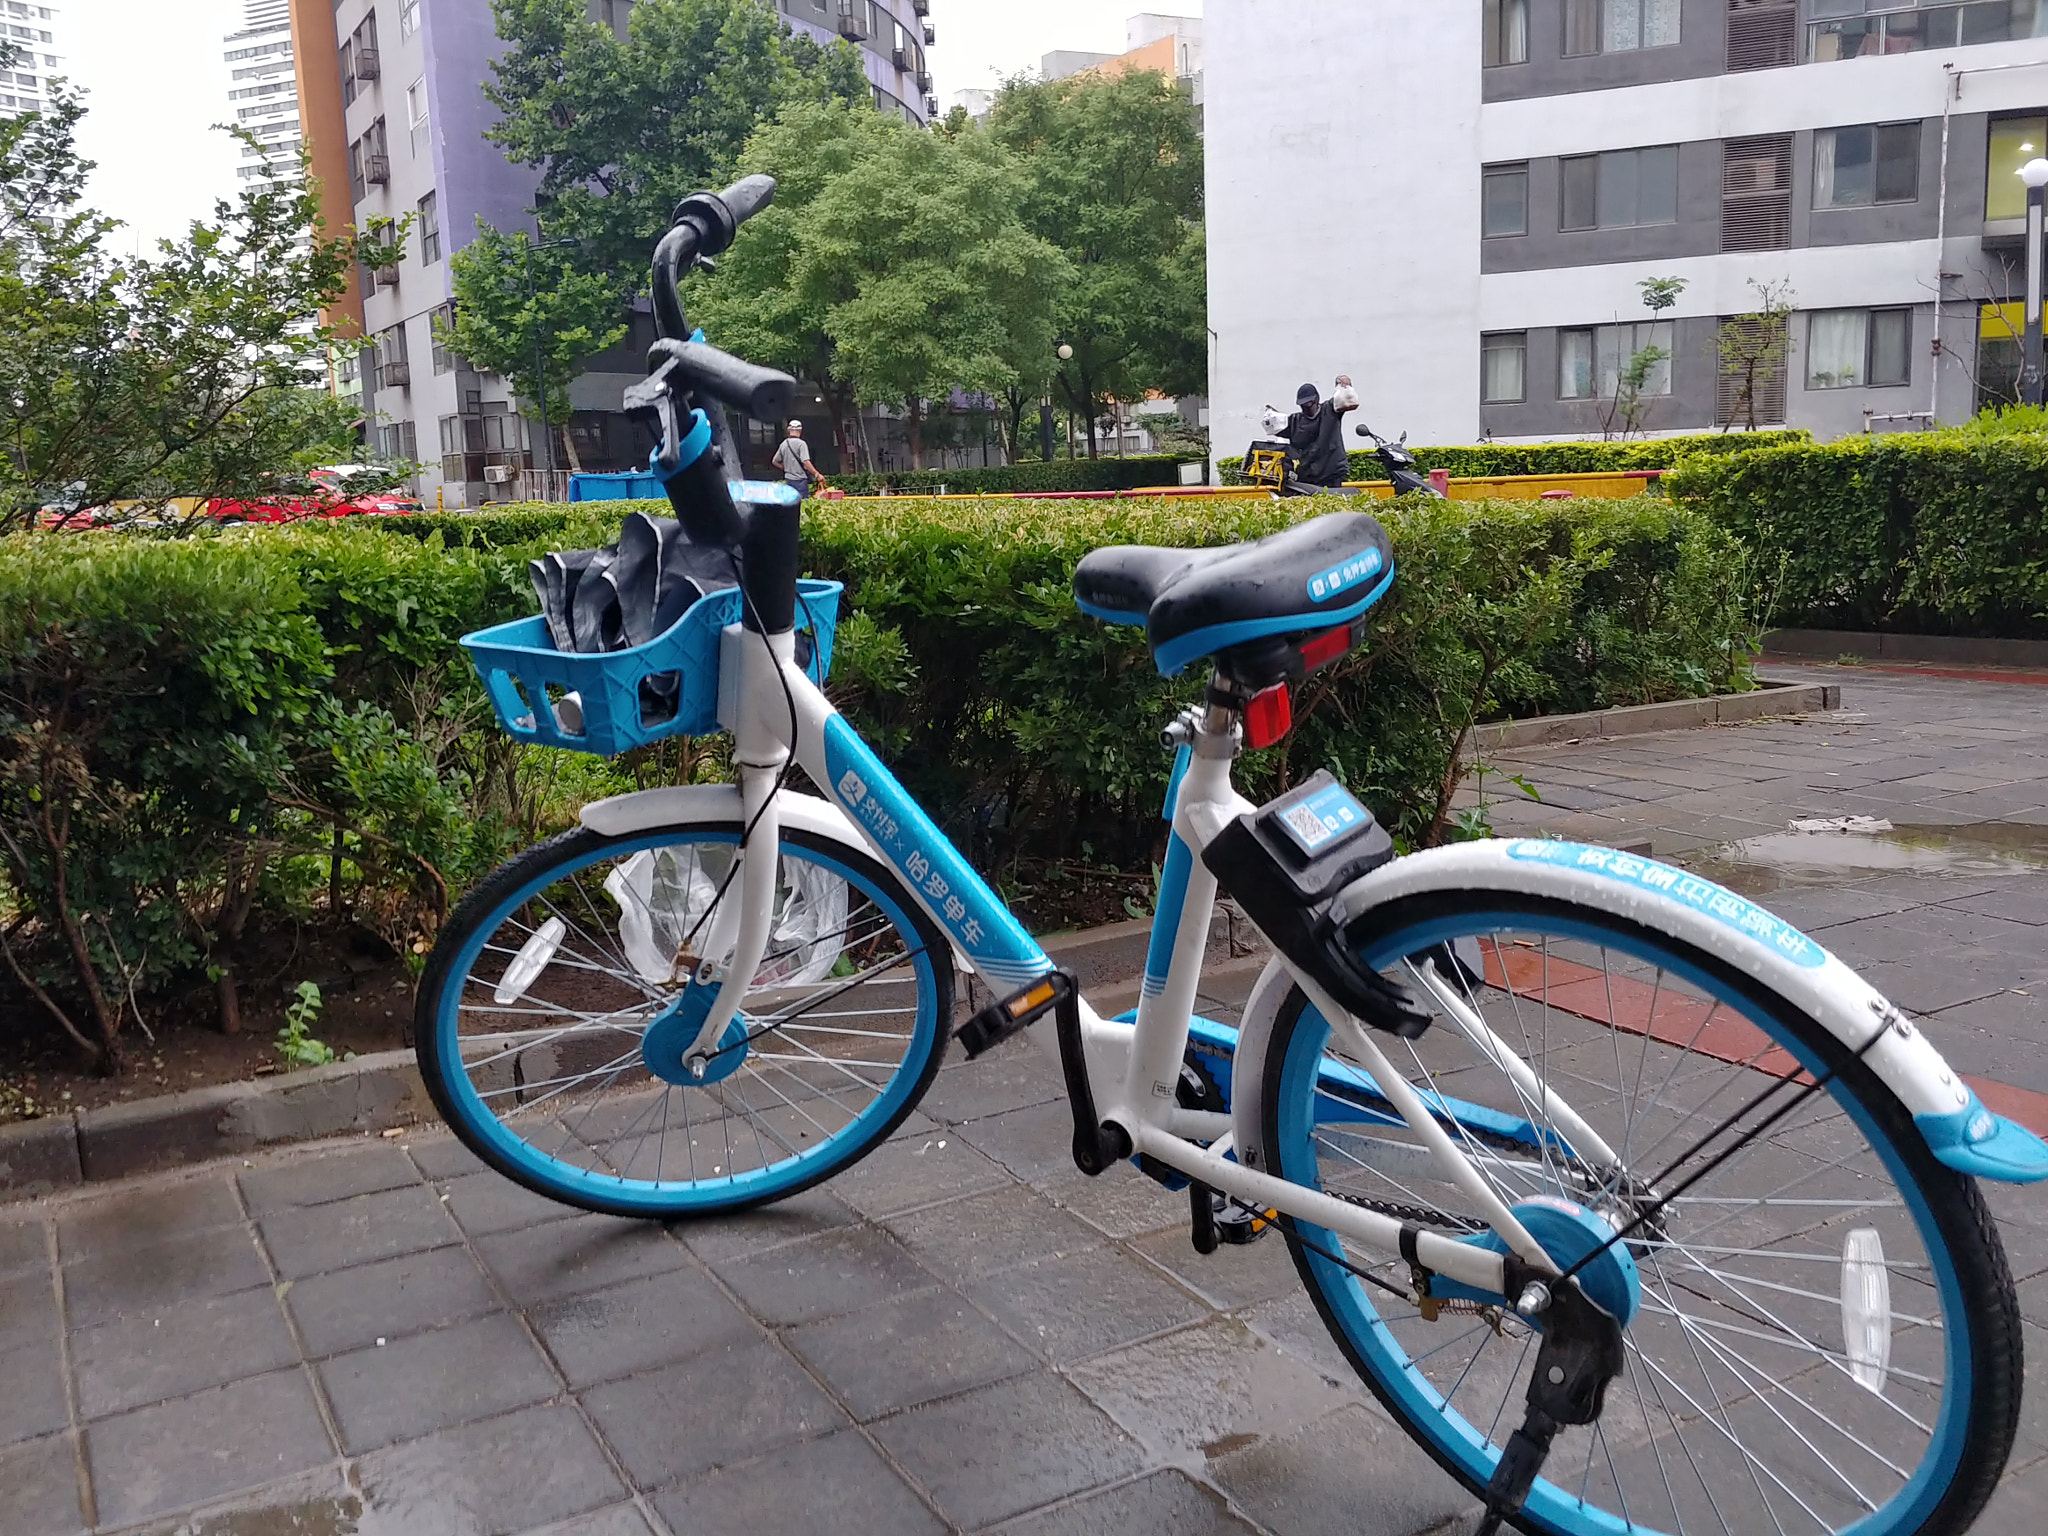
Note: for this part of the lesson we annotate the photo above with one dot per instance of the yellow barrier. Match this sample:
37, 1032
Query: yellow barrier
1608, 484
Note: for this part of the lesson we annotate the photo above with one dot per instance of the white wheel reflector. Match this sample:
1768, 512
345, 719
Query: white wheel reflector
532, 959
1866, 1308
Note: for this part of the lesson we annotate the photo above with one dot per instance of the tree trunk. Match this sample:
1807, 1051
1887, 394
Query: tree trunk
569, 449
916, 423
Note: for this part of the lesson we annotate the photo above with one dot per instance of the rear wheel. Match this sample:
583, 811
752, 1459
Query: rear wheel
552, 1020
1827, 1336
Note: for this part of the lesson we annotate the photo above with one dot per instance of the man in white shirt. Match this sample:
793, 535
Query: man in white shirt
793, 458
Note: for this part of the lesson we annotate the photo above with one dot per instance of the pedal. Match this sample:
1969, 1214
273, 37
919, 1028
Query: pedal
1239, 1224
1006, 1016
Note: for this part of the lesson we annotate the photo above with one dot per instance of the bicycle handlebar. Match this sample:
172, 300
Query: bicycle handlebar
704, 224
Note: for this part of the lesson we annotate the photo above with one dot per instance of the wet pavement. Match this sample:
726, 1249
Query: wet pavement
962, 1333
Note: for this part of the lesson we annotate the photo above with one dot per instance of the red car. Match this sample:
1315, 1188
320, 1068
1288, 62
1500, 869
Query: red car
327, 501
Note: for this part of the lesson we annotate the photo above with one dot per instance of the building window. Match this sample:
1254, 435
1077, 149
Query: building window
439, 325
1503, 360
1756, 193
393, 369
1507, 32
1620, 189
1859, 348
1590, 360
348, 73
1618, 26
1855, 167
2014, 141
1846, 34
430, 230
1762, 34
399, 442
408, 17
1504, 201
416, 114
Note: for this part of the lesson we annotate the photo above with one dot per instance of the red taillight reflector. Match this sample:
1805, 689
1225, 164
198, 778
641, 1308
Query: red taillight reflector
1269, 716
1325, 648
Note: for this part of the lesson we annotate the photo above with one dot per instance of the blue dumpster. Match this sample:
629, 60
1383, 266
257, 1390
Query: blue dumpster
633, 485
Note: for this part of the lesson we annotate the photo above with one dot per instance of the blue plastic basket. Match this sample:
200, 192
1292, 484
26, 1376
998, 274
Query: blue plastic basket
526, 676
634, 485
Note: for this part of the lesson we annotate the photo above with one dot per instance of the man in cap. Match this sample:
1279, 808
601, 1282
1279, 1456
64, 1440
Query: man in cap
1315, 436
793, 458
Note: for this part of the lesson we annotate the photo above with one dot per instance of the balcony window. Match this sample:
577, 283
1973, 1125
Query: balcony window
2014, 141
1590, 360
1504, 200
1620, 189
1618, 26
1856, 167
1507, 32
1861, 29
1503, 365
1859, 348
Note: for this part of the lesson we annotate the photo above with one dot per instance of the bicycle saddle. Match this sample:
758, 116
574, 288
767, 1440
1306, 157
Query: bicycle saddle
1197, 602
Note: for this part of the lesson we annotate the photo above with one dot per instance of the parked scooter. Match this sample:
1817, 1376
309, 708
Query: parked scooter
1399, 463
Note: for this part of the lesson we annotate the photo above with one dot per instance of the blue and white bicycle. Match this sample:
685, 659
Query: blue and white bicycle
1634, 1205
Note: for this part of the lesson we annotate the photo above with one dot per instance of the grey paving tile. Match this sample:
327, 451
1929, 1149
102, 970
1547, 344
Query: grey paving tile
441, 1157
140, 1217
837, 1272
28, 1309
22, 1245
175, 1454
1249, 1389
906, 1351
1084, 1302
487, 1202
619, 1520
1233, 1276
178, 1349
597, 1335
1032, 1142
32, 1402
1163, 1502
389, 1299
492, 1478
722, 1407
1010, 1077
1930, 983
824, 1487
206, 1263
324, 1179
1007, 1448
1350, 1474
564, 1257
40, 1479
313, 1239
713, 1238
2023, 900
432, 1381
1121, 1202
901, 1175
2021, 1502
1293, 1323
965, 1239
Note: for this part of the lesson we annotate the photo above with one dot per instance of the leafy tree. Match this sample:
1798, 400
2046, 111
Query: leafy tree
623, 128
1115, 168
1630, 406
525, 312
134, 380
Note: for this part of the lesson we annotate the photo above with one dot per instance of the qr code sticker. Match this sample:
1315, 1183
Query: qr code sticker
1308, 827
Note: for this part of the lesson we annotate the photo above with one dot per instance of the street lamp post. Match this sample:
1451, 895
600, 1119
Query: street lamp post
540, 353
2035, 174
1045, 411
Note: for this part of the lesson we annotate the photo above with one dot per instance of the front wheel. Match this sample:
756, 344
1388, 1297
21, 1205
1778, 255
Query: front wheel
1825, 1336
553, 1019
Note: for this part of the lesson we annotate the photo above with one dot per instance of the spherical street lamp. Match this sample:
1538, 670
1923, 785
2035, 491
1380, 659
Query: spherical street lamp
1067, 352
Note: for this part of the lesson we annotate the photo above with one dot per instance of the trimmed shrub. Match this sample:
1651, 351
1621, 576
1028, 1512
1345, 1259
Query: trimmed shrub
1576, 458
1139, 472
202, 737
1942, 532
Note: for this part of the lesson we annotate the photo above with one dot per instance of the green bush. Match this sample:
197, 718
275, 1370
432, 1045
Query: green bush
1139, 472
1576, 458
200, 738
1941, 532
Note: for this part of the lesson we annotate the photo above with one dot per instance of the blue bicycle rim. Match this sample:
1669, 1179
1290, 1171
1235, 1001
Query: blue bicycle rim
1446, 1429
677, 1197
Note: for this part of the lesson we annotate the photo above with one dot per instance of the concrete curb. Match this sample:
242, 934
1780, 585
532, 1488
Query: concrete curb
1827, 644
1637, 719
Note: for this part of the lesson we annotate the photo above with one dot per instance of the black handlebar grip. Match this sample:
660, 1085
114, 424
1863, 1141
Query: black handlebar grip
763, 393
748, 196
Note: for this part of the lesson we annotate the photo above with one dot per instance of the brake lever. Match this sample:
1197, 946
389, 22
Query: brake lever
654, 396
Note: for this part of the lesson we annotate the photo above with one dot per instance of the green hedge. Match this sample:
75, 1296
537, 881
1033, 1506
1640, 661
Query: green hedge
1139, 472
186, 726
1938, 533
1576, 458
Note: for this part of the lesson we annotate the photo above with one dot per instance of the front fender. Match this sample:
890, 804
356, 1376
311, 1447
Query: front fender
677, 805
1959, 1130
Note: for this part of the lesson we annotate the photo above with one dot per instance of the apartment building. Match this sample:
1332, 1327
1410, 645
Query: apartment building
892, 36
34, 30
263, 93
1457, 204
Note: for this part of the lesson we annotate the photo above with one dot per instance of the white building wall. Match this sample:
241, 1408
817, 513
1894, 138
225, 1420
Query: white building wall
1342, 146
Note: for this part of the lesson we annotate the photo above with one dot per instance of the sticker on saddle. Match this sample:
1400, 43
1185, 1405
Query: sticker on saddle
1346, 573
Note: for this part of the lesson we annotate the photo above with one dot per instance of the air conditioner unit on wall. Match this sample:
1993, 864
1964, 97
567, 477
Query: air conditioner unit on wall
499, 474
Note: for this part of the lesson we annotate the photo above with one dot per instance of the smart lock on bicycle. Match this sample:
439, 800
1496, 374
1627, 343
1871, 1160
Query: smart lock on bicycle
1637, 1208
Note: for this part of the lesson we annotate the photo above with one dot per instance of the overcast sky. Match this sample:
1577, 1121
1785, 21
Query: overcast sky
156, 83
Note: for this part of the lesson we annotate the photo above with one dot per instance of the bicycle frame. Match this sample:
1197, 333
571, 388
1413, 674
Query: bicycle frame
1132, 1067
